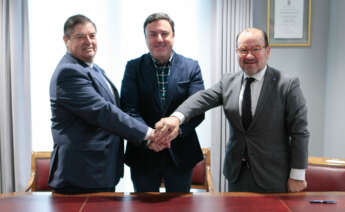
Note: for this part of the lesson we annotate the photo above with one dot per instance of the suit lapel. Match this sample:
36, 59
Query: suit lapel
116, 93
172, 80
149, 74
265, 93
103, 88
234, 101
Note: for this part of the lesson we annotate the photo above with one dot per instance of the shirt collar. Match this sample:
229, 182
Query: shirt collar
156, 64
257, 76
89, 64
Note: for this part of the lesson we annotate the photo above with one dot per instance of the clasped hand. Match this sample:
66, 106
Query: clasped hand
166, 130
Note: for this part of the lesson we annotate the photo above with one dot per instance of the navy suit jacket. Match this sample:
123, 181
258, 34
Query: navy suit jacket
140, 98
87, 128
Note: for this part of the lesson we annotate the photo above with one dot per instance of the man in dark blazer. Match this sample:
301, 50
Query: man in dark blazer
153, 86
268, 152
87, 123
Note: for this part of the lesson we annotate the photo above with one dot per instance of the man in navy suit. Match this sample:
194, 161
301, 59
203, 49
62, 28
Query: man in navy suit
87, 123
153, 86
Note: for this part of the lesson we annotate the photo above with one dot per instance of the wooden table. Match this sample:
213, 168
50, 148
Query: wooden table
174, 202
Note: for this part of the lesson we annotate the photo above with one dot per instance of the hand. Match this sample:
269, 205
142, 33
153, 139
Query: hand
296, 185
167, 129
154, 144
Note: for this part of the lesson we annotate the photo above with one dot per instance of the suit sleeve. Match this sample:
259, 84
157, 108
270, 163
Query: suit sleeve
201, 101
296, 121
76, 93
197, 84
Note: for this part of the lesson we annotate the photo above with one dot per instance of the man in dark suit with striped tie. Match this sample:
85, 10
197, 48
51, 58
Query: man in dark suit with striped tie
87, 123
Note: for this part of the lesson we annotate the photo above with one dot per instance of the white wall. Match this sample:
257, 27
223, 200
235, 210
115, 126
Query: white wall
334, 145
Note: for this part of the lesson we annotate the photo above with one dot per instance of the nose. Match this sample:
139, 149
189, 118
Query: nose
159, 37
87, 39
250, 54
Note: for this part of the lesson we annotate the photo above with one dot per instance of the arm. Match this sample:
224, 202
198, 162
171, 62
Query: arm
296, 119
77, 94
195, 105
201, 101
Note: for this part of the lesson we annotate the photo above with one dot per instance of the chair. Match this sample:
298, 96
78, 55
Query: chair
201, 177
40, 162
325, 174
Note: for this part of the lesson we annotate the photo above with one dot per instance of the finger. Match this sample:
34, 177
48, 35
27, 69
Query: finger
172, 136
153, 147
159, 124
162, 134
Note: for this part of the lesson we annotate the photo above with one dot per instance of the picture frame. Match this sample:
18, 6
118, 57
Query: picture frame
288, 22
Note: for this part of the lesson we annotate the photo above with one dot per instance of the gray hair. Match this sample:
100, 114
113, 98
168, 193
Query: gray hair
73, 21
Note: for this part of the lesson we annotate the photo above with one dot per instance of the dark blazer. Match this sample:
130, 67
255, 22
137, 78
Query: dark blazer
87, 126
140, 98
277, 138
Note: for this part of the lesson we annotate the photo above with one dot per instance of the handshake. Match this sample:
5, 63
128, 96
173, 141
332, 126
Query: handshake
166, 130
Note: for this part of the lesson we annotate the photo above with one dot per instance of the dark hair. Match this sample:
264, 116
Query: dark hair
159, 16
265, 38
73, 21
264, 34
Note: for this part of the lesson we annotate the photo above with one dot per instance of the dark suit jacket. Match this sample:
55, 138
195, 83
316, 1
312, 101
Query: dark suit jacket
87, 126
277, 138
140, 98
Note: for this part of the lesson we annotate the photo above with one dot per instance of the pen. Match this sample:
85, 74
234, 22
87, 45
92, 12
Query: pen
323, 201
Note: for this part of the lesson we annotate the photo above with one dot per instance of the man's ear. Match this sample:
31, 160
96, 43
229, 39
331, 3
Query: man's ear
66, 40
268, 51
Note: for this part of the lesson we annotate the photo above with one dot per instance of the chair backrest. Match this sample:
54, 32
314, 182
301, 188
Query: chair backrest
325, 174
40, 162
201, 178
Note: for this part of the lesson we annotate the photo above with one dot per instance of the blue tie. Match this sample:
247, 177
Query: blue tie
100, 76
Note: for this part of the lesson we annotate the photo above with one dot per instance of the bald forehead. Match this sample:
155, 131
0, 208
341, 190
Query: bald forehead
251, 34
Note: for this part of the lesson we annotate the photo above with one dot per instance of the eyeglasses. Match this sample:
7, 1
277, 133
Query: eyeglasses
255, 51
84, 36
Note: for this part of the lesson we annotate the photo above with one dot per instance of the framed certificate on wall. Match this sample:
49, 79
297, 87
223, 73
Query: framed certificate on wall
288, 22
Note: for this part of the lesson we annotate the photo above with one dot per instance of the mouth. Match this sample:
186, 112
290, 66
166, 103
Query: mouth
250, 61
89, 48
160, 48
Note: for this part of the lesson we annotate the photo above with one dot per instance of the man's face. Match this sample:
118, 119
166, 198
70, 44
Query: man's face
159, 39
251, 51
82, 43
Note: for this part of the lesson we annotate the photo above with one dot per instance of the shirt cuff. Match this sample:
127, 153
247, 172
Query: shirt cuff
297, 174
148, 133
178, 115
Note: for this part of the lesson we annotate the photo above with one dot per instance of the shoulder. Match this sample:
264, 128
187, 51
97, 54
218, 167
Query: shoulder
143, 58
283, 79
229, 77
68, 67
180, 59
